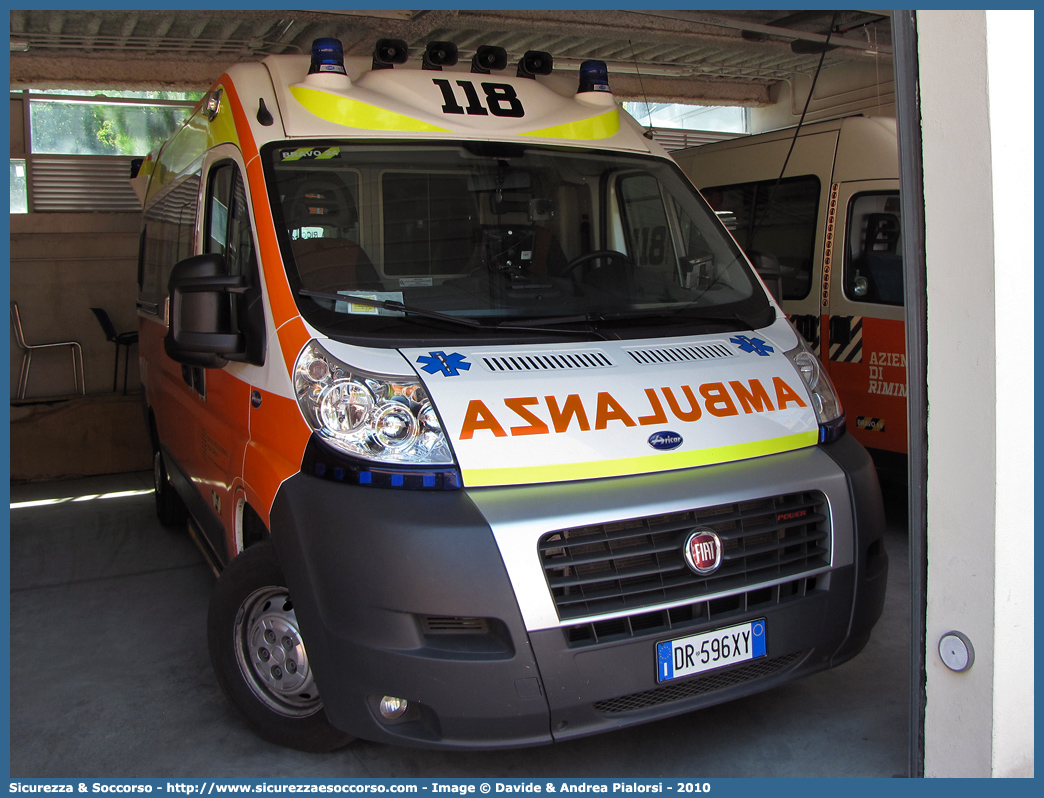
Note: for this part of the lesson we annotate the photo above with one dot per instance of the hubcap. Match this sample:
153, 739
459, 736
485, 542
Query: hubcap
271, 653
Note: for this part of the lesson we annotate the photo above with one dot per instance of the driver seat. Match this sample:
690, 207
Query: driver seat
331, 261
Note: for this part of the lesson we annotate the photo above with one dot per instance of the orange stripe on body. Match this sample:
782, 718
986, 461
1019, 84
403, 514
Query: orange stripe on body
278, 435
292, 337
245, 136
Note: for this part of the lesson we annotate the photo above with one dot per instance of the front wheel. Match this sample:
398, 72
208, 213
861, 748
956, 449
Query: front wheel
259, 655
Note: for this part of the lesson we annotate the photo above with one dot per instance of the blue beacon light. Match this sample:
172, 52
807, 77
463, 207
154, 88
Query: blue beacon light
594, 76
327, 56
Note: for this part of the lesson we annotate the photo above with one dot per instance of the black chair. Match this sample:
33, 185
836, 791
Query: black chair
120, 339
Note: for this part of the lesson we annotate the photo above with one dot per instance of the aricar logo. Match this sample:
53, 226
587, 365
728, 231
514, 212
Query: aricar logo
665, 440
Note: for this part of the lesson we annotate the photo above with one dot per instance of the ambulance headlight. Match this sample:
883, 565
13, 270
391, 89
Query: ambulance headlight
395, 426
829, 413
428, 419
385, 419
344, 406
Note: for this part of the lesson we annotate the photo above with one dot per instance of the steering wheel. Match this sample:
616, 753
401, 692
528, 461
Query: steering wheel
609, 255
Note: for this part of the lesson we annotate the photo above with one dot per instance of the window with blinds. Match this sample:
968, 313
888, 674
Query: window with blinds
72, 152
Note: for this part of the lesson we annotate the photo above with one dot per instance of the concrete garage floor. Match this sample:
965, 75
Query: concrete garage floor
110, 675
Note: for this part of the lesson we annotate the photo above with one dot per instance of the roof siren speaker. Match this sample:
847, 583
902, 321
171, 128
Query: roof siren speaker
533, 63
439, 54
389, 52
487, 58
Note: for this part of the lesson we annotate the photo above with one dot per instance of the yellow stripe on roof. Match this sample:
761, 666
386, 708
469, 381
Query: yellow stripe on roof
353, 113
668, 461
595, 127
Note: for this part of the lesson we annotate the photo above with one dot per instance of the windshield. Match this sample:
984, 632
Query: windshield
499, 237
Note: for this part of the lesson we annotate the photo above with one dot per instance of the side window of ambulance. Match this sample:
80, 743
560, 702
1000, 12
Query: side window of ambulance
873, 250
228, 232
169, 226
784, 227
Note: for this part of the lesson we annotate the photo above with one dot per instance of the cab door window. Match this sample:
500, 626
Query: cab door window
228, 232
228, 223
873, 270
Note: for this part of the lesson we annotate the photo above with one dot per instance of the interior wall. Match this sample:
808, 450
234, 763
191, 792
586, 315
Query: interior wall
866, 87
62, 265
978, 244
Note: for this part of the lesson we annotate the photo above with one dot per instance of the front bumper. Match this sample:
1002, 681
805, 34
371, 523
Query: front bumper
438, 597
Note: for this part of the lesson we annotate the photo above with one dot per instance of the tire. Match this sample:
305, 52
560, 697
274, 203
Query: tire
170, 509
259, 656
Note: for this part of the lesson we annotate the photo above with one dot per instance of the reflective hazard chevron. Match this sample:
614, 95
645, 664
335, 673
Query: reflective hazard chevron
852, 351
808, 326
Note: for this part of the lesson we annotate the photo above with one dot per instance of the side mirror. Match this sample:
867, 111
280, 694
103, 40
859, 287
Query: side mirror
201, 332
768, 268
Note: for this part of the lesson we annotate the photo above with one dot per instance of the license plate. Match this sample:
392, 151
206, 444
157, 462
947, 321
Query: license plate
709, 650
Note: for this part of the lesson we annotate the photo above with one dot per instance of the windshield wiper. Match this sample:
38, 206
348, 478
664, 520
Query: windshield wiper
536, 322
686, 313
660, 316
464, 321
392, 305
669, 316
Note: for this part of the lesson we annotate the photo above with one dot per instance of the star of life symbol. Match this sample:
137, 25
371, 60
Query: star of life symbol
755, 345
450, 365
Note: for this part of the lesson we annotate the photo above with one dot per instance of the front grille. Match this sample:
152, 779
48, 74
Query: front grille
690, 688
627, 565
686, 616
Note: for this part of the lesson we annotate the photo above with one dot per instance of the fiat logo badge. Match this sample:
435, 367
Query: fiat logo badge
702, 551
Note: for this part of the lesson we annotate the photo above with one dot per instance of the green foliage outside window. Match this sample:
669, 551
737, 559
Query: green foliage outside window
64, 123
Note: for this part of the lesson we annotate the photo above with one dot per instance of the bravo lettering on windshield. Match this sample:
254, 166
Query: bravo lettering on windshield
542, 416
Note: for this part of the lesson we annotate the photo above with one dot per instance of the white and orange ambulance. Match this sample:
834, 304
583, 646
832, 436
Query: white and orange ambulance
491, 430
832, 220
